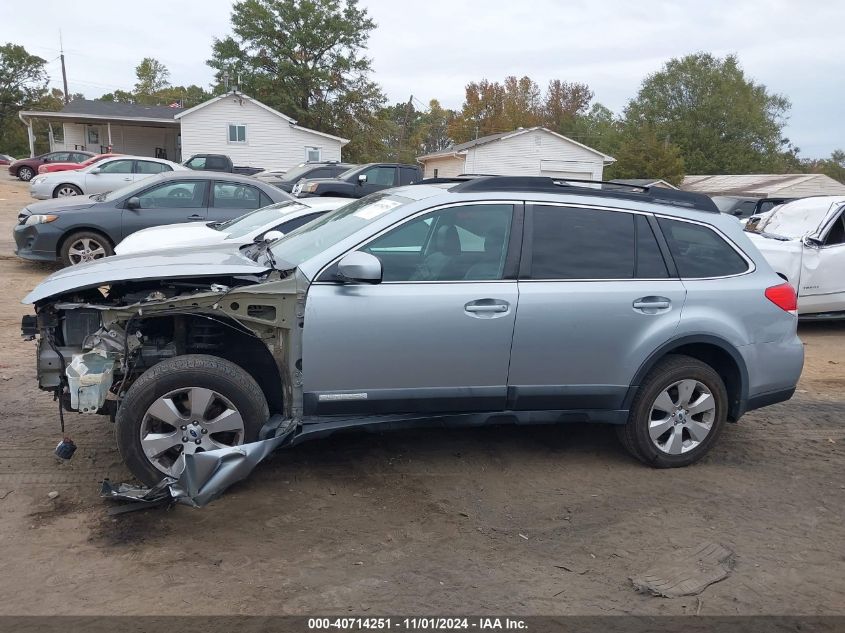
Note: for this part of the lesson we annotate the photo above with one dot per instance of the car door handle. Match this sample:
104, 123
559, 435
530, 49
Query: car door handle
487, 308
652, 305
127, 179
195, 216
492, 308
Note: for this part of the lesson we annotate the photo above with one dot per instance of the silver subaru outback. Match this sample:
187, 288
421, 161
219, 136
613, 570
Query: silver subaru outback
469, 301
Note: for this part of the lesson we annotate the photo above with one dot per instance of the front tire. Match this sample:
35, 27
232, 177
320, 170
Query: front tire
186, 404
26, 173
84, 246
66, 190
677, 414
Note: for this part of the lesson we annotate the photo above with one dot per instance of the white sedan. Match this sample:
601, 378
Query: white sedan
282, 218
101, 177
804, 241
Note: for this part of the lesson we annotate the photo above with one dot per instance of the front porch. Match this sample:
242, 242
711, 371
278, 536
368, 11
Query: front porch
102, 127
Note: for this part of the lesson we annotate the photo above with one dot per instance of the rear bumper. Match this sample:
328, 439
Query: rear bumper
766, 399
773, 371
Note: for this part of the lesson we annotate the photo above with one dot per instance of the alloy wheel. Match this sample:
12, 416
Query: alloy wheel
187, 421
65, 191
85, 249
682, 416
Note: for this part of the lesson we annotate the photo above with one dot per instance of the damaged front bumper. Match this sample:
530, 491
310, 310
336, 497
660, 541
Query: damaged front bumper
93, 344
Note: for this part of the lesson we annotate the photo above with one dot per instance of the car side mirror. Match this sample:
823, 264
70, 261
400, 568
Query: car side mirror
362, 178
133, 203
812, 242
96, 170
272, 236
361, 267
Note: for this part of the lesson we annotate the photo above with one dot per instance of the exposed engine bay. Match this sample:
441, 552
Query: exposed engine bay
94, 343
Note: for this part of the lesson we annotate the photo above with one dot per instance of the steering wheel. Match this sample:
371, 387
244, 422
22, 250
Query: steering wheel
179, 193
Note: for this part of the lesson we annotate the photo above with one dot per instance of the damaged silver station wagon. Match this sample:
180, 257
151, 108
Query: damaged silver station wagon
491, 299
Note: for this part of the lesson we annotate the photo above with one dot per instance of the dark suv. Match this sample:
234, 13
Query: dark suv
310, 171
360, 181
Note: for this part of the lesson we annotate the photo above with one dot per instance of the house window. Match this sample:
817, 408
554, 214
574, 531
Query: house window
435, 172
93, 136
237, 133
312, 154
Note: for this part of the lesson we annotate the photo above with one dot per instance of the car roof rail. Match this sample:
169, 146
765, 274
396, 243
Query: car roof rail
545, 184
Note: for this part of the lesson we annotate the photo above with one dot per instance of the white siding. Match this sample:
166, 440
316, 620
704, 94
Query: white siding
532, 153
271, 142
447, 167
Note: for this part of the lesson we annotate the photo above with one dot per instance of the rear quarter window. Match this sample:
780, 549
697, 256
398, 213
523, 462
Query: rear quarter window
699, 251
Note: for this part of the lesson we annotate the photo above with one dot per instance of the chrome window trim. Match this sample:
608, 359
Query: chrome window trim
448, 205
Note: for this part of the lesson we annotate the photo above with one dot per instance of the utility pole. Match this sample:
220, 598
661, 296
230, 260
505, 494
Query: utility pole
404, 125
64, 72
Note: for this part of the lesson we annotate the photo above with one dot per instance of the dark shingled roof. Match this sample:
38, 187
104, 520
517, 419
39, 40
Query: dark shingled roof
113, 109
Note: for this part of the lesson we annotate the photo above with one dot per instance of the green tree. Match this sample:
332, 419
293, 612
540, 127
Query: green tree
152, 78
642, 154
833, 166
722, 121
305, 58
432, 134
599, 128
23, 83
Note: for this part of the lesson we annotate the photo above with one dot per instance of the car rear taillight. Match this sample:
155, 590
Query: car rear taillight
784, 297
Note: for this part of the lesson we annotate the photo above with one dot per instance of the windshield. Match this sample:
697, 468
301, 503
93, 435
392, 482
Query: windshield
301, 245
796, 219
242, 225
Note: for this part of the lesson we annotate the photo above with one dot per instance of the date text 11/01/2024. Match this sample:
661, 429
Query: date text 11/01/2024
417, 623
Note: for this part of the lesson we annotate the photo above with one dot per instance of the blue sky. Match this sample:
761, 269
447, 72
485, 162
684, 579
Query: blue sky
432, 48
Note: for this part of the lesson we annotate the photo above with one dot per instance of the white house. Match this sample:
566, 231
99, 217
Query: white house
251, 133
534, 151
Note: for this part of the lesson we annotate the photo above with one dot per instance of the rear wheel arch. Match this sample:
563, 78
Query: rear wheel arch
712, 350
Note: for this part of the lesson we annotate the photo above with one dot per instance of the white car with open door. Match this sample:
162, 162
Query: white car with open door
101, 177
270, 222
804, 241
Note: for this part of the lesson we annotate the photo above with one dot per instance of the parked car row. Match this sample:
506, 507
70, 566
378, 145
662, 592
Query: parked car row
26, 168
484, 300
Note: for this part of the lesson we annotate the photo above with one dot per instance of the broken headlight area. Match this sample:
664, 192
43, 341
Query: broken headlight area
91, 344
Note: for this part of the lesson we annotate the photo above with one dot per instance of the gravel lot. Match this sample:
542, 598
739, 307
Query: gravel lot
543, 520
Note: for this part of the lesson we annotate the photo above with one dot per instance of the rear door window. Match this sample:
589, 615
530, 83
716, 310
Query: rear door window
150, 167
699, 252
231, 195
576, 243
407, 175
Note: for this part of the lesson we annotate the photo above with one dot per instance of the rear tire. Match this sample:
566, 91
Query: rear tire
26, 173
677, 414
84, 246
232, 385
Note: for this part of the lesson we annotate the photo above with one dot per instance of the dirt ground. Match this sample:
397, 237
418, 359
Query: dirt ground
542, 520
